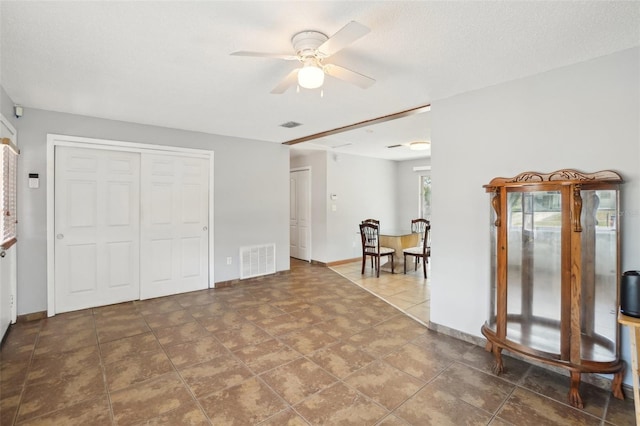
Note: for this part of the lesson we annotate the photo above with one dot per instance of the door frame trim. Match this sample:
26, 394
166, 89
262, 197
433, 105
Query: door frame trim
55, 140
12, 251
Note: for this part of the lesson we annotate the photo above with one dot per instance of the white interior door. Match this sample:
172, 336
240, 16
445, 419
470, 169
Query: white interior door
300, 214
293, 216
175, 212
97, 227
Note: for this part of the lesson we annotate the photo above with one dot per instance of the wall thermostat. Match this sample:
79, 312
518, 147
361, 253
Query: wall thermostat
34, 180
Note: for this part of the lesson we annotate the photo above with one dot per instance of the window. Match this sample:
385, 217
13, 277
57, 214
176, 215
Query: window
425, 197
9, 160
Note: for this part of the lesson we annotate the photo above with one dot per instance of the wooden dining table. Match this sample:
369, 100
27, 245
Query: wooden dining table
399, 239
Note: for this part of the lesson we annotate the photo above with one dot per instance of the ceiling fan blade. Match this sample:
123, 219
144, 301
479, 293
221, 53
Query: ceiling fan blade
285, 56
344, 37
352, 77
290, 80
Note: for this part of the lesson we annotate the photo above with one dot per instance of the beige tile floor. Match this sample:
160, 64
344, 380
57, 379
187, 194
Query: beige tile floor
304, 348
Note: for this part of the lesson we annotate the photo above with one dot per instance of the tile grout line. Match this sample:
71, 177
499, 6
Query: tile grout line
26, 377
175, 369
606, 409
103, 367
504, 402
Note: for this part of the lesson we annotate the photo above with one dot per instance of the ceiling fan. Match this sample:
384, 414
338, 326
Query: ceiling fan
311, 49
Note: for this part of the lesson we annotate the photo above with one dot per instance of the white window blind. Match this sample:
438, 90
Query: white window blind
9, 160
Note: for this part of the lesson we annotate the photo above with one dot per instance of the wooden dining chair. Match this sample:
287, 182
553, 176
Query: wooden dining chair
375, 222
421, 252
370, 236
417, 227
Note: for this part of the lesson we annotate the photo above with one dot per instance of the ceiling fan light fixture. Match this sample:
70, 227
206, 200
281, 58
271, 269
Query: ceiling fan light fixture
310, 76
419, 145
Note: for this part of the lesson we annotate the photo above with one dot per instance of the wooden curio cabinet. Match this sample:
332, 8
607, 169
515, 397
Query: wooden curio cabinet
555, 272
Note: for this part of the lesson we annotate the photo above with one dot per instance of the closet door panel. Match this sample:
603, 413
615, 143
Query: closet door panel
174, 237
97, 227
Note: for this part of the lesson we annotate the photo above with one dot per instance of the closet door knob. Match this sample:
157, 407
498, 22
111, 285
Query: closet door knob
204, 228
60, 236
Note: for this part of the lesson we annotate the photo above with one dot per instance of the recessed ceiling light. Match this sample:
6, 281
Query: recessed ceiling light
420, 145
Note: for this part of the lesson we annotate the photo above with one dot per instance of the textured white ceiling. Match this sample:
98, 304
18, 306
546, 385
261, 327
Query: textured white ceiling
168, 63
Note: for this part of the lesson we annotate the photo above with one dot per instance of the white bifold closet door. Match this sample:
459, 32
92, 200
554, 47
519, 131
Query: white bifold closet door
128, 226
97, 227
175, 218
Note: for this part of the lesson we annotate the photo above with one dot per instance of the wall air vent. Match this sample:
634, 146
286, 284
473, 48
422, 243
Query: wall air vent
257, 260
290, 124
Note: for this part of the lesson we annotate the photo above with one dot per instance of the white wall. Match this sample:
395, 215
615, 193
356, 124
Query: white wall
366, 188
251, 197
585, 116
